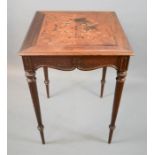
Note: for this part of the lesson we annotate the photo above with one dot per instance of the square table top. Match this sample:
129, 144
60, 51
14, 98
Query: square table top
54, 33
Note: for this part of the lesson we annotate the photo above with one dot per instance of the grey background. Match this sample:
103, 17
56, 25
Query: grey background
76, 120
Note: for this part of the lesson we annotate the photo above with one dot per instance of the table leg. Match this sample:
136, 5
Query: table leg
34, 95
46, 80
103, 80
118, 91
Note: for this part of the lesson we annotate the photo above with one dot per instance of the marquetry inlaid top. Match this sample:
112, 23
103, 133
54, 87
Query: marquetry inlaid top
75, 33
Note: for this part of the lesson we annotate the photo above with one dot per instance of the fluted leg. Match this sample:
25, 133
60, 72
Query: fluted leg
46, 80
34, 95
118, 91
103, 80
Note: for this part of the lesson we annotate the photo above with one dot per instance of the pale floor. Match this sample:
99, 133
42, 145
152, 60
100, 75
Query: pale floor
76, 119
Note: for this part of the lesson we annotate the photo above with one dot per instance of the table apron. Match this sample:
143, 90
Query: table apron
73, 62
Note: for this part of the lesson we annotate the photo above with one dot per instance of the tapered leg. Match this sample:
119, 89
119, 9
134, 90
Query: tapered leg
34, 95
104, 70
118, 91
46, 80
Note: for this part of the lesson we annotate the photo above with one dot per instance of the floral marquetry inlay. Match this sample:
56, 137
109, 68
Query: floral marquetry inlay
75, 33
70, 29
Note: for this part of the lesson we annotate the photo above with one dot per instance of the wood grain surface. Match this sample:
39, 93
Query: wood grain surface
75, 33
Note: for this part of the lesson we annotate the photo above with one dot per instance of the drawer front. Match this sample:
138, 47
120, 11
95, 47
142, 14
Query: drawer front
72, 62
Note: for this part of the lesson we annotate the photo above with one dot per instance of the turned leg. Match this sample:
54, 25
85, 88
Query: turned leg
103, 80
117, 97
46, 80
34, 95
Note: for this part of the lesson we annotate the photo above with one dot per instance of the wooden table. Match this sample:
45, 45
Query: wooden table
69, 40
